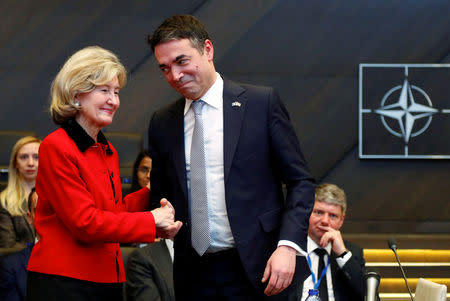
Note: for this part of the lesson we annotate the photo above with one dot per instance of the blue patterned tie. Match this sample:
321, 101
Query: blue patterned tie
199, 204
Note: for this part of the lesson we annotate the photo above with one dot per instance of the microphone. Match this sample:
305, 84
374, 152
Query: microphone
373, 281
393, 246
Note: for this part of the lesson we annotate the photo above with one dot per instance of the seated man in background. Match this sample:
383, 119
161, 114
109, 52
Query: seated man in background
13, 268
343, 261
150, 273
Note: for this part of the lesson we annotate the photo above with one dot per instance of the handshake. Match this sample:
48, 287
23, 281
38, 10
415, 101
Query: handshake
166, 226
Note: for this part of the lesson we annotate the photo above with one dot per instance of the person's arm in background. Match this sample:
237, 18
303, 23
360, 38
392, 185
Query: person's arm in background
354, 270
138, 201
7, 235
7, 231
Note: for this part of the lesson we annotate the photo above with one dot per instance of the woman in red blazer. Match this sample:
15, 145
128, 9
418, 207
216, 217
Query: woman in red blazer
81, 216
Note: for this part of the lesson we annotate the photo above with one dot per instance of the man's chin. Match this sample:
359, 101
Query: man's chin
189, 93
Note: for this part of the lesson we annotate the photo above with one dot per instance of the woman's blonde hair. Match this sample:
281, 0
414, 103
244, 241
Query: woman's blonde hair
82, 72
13, 198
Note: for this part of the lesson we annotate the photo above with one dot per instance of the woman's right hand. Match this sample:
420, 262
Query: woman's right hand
164, 215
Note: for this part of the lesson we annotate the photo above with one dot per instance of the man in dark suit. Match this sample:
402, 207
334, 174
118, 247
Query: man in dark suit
222, 168
150, 274
13, 268
344, 278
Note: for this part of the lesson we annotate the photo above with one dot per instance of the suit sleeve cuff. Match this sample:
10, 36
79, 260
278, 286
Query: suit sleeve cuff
300, 251
342, 261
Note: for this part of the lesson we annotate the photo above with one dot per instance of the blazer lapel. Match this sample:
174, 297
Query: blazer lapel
334, 270
179, 158
233, 115
302, 272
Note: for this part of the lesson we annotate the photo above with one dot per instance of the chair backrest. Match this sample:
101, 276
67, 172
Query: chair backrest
427, 290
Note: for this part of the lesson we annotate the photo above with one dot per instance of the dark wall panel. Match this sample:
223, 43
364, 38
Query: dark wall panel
309, 50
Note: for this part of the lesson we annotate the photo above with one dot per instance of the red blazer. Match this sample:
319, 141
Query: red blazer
80, 215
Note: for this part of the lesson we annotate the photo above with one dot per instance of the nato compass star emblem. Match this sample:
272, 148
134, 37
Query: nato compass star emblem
406, 111
402, 121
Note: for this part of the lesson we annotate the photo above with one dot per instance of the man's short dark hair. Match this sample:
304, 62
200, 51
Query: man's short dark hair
180, 27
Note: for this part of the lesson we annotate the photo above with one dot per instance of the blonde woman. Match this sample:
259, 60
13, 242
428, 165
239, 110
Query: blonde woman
15, 231
81, 216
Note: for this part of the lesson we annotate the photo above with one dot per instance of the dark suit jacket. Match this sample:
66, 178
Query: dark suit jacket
150, 274
261, 151
13, 275
348, 282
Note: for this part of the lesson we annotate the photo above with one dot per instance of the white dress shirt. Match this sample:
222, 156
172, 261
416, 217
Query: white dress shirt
212, 111
308, 283
169, 244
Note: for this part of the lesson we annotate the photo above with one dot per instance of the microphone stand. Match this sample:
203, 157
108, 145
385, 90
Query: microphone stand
373, 282
393, 246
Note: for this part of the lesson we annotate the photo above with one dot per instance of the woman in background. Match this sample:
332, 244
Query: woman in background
15, 231
141, 171
81, 217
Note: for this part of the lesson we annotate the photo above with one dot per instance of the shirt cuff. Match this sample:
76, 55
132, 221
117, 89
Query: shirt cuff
300, 251
341, 261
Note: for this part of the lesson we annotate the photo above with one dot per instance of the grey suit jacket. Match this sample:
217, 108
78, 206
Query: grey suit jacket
150, 274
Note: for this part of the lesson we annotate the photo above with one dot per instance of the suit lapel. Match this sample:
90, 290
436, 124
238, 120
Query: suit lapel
179, 157
302, 273
334, 269
233, 114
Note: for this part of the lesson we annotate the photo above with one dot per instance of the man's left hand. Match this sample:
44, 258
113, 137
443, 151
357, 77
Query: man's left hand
279, 270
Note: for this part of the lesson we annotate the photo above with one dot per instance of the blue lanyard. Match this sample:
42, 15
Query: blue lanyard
316, 284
